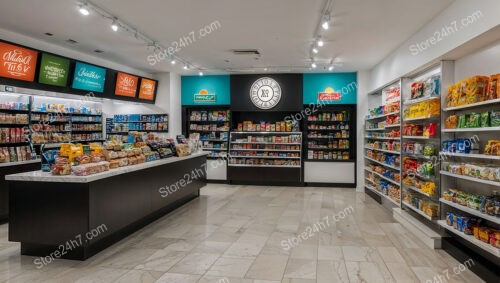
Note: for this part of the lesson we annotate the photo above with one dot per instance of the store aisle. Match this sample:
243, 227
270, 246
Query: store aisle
236, 232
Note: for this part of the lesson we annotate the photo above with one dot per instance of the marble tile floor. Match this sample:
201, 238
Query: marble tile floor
236, 232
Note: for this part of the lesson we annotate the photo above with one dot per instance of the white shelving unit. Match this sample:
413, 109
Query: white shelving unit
376, 132
471, 211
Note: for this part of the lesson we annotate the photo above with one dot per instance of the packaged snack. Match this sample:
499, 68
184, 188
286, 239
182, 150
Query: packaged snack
484, 234
485, 119
495, 119
495, 239
473, 121
451, 122
493, 87
476, 89
449, 218
462, 121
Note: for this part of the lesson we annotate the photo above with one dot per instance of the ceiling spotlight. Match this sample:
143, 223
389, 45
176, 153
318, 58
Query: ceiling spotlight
325, 25
313, 65
185, 67
320, 42
84, 10
326, 22
330, 68
200, 73
114, 26
265, 69
172, 62
315, 50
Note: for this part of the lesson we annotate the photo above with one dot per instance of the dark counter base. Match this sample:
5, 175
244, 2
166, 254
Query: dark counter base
264, 175
4, 186
82, 253
267, 183
486, 266
45, 215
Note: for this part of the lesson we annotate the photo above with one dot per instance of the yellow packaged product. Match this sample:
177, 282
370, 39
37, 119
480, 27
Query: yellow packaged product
476, 89
434, 107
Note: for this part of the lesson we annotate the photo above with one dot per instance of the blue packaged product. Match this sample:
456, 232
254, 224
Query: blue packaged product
449, 218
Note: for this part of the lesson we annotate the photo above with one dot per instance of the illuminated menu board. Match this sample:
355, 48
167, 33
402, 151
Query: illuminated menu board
89, 77
17, 62
126, 85
53, 70
147, 89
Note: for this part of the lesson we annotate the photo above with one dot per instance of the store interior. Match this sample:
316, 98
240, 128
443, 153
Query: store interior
190, 141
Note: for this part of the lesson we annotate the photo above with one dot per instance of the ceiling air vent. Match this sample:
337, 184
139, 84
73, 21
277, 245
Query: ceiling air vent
245, 52
98, 51
49, 34
72, 41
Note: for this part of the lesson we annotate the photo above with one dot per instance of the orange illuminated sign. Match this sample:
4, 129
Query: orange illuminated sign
147, 89
126, 85
17, 62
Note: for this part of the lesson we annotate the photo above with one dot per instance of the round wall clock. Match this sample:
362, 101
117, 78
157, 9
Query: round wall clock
265, 93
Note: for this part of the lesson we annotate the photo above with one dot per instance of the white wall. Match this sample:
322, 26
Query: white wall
401, 61
175, 105
484, 62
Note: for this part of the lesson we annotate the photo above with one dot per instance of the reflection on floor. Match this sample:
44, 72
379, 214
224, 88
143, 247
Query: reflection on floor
241, 233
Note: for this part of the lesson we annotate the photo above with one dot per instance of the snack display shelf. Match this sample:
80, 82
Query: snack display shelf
430, 218
325, 130
376, 129
486, 247
478, 104
484, 129
327, 149
278, 143
214, 140
14, 110
264, 157
86, 131
418, 100
382, 116
260, 165
470, 155
427, 178
332, 138
266, 133
210, 148
419, 137
383, 164
83, 114
469, 210
421, 156
383, 150
85, 122
477, 180
329, 160
381, 194
12, 125
6, 164
383, 177
209, 131
419, 191
205, 121
51, 122
392, 126
278, 150
324, 122
382, 138
422, 118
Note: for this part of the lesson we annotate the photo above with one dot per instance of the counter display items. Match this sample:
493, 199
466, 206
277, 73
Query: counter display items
211, 127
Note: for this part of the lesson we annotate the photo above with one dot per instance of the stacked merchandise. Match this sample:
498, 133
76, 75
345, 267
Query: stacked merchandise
387, 159
281, 126
421, 121
7, 118
386, 145
474, 120
120, 155
473, 90
18, 106
328, 136
15, 154
77, 159
12, 135
212, 129
474, 170
140, 122
265, 150
486, 204
472, 226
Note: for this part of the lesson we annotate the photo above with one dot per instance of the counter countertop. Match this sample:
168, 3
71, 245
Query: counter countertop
39, 176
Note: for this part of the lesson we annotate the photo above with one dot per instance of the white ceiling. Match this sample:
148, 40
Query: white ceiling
364, 31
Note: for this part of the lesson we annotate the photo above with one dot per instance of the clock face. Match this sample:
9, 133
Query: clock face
265, 93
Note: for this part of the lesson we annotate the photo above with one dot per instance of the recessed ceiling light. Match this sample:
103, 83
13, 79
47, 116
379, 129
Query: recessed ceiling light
320, 42
330, 68
200, 73
72, 41
313, 65
315, 50
172, 62
114, 26
84, 10
325, 25
185, 67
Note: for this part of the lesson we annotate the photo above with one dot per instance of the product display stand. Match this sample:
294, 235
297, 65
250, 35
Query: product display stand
382, 148
330, 151
267, 156
211, 126
468, 137
121, 125
420, 135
